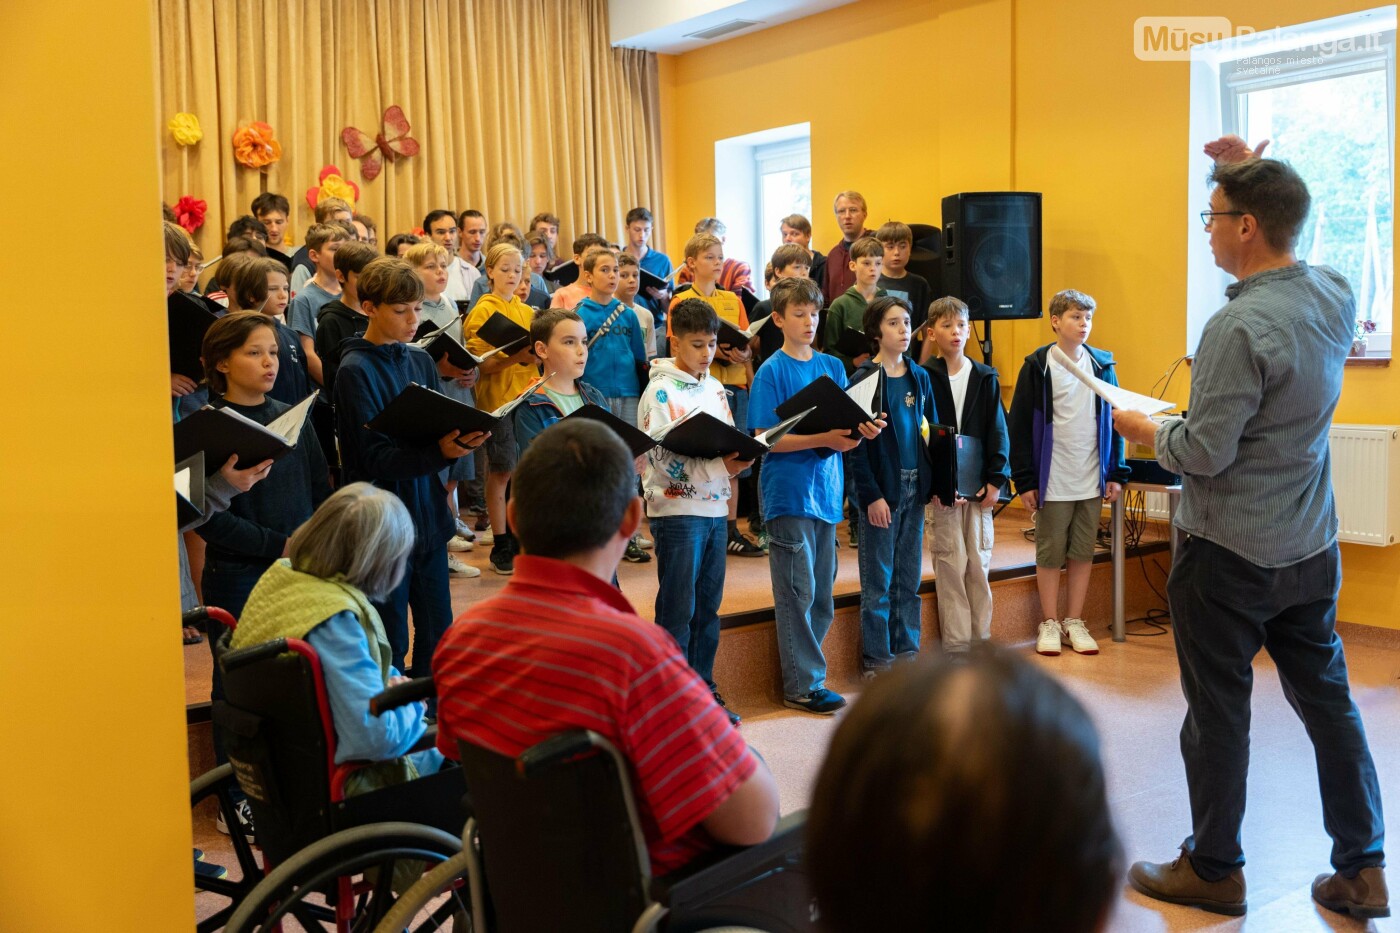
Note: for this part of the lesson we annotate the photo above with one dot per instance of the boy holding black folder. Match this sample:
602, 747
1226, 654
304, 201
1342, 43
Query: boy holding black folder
802, 492
847, 312
374, 369
687, 499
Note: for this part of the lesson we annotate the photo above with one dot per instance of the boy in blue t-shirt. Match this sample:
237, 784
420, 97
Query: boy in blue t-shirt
616, 353
802, 493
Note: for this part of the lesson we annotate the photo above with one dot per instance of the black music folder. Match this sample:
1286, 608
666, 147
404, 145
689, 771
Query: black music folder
502, 333
222, 432
637, 440
187, 320
957, 464
419, 416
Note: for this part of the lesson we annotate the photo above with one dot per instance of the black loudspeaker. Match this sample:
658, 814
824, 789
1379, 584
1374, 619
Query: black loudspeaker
926, 258
991, 253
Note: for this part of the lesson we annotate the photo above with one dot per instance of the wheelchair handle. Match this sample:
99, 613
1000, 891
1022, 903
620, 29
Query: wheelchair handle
232, 660
416, 690
566, 746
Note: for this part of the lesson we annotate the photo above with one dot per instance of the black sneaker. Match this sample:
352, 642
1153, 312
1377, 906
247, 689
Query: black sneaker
742, 546
734, 718
502, 559
822, 701
855, 534
245, 821
634, 554
756, 524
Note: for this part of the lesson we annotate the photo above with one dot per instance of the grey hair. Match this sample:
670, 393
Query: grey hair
711, 225
361, 534
1069, 298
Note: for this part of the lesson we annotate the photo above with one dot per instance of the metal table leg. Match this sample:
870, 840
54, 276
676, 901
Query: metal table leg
1118, 548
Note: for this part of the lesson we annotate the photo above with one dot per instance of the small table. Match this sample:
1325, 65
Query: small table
1119, 549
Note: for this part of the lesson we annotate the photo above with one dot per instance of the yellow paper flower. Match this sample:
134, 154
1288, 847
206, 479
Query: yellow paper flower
333, 186
185, 128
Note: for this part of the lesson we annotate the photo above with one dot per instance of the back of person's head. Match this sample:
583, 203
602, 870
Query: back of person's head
327, 208
700, 242
354, 256
711, 225
947, 307
694, 316
895, 232
248, 287
875, 312
361, 535
268, 202
223, 339
420, 254
391, 248
799, 223
319, 234
504, 232
1272, 192
639, 213
585, 240
1070, 298
768, 275
389, 281
571, 489
177, 243
167, 213
227, 271
867, 247
593, 254
244, 244
964, 794
790, 254
248, 226
796, 290
543, 324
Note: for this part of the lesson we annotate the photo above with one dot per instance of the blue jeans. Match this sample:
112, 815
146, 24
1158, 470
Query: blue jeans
738, 399
802, 563
690, 559
1224, 609
424, 590
891, 565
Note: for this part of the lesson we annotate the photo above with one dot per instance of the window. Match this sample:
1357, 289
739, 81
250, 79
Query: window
760, 178
1324, 93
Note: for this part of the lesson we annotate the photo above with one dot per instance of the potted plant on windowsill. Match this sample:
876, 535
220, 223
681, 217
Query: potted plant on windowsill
1358, 341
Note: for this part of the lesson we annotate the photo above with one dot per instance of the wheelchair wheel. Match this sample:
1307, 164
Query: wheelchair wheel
443, 898
342, 882
219, 783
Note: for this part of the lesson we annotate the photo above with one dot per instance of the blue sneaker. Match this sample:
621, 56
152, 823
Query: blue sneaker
821, 701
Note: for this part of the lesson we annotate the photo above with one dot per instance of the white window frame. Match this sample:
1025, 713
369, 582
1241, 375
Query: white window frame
786, 156
739, 165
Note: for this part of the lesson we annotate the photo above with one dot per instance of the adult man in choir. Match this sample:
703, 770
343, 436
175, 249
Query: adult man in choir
850, 210
1260, 567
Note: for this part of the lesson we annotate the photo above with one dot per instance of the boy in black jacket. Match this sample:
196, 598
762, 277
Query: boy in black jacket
341, 318
968, 395
374, 369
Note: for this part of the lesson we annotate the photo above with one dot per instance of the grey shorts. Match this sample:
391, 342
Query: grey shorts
1066, 530
501, 454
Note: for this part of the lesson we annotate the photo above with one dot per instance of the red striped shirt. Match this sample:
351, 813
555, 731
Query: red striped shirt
560, 649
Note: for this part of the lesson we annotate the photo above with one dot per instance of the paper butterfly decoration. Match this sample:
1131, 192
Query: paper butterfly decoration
393, 142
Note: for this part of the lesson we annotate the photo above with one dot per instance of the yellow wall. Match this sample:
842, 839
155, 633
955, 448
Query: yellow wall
94, 831
910, 100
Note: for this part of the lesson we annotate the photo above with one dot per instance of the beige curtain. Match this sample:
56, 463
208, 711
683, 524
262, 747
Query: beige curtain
520, 106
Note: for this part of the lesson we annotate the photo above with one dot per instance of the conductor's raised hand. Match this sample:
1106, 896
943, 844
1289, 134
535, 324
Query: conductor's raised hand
1230, 149
244, 480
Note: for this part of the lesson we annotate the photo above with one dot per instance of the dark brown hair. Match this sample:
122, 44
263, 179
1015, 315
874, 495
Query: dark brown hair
1272, 192
389, 280
224, 337
591, 462
794, 291
875, 313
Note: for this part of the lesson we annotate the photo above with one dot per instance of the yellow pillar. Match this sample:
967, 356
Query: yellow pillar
94, 825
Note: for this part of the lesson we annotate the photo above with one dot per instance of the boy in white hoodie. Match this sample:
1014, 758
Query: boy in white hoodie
687, 499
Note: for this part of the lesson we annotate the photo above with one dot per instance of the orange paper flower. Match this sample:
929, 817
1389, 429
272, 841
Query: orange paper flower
255, 146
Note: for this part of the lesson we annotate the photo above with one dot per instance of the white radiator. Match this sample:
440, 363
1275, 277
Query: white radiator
1366, 482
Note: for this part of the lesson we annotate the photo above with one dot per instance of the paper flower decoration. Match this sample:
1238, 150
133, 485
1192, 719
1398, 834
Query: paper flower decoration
255, 147
368, 149
185, 128
332, 185
189, 213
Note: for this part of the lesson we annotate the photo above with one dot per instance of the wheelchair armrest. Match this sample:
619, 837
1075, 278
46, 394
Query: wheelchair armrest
420, 688
727, 866
232, 660
427, 741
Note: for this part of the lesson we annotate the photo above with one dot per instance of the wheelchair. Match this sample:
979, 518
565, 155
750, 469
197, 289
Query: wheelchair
331, 861
555, 843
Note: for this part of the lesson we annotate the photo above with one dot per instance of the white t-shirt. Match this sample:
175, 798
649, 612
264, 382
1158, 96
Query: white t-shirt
958, 383
1074, 459
461, 276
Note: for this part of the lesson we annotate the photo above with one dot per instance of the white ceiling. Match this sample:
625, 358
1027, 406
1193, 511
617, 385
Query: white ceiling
663, 25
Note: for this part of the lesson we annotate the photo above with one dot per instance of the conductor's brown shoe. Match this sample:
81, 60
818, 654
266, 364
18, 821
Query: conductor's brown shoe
1363, 896
1176, 882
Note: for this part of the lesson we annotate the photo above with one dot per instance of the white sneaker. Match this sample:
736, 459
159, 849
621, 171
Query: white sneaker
459, 543
465, 530
643, 542
1079, 638
455, 565
1048, 641
485, 538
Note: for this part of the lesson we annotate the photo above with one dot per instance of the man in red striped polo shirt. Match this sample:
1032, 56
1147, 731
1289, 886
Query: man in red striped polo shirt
561, 648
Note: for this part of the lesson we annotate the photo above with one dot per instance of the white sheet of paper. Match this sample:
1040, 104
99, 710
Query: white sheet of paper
514, 403
1117, 396
660, 433
864, 392
779, 430
288, 424
182, 483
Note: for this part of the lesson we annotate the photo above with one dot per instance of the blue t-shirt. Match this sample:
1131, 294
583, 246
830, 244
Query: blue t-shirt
902, 400
614, 357
306, 304
806, 483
